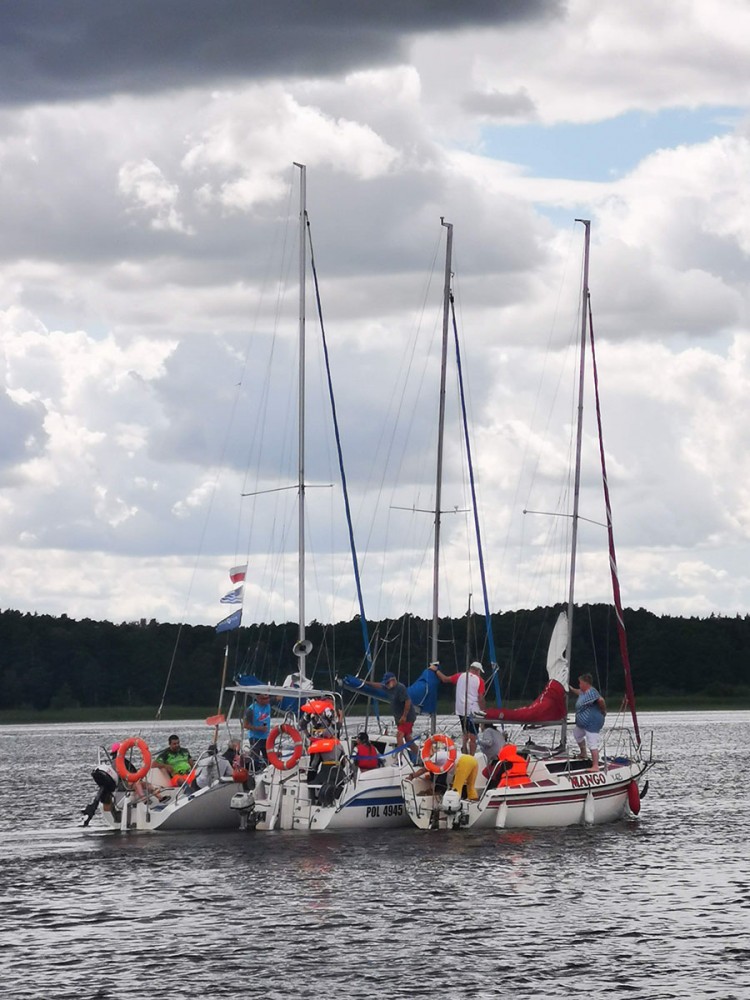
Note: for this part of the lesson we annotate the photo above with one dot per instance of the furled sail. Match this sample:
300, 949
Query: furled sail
551, 705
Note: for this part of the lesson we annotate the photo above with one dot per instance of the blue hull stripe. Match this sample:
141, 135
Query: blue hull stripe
369, 799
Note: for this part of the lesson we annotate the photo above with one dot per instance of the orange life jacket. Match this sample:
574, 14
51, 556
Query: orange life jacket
518, 774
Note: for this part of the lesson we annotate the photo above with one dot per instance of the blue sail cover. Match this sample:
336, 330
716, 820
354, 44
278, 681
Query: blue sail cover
423, 692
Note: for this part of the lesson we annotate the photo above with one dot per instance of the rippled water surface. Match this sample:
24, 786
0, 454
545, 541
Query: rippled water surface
658, 908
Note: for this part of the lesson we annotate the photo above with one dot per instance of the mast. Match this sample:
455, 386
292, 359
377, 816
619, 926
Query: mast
300, 647
579, 441
434, 656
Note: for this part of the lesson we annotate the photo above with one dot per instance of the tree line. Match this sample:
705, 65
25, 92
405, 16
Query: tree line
51, 662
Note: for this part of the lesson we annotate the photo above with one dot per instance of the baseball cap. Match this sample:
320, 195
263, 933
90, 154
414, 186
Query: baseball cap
476, 665
388, 677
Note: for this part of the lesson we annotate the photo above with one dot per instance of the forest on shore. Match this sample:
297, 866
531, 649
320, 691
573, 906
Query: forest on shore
53, 664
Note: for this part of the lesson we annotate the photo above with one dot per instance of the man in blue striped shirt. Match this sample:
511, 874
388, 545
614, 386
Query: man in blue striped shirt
590, 711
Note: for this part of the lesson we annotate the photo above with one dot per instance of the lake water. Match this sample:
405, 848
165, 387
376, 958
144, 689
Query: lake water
658, 908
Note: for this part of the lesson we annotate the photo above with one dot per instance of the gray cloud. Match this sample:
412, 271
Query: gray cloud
500, 106
76, 50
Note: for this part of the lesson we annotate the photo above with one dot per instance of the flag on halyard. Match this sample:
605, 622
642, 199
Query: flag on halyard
234, 596
237, 573
233, 621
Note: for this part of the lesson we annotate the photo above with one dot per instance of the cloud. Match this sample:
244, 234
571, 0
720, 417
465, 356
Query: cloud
149, 324
80, 52
145, 184
500, 106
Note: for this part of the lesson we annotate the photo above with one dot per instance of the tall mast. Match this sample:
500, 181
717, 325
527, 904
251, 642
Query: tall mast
441, 431
300, 647
579, 441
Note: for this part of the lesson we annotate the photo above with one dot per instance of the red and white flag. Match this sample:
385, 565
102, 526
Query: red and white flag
237, 573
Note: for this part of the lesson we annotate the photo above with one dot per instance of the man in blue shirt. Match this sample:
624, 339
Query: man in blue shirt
590, 711
258, 725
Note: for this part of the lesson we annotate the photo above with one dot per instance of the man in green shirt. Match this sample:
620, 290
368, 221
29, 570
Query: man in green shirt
175, 760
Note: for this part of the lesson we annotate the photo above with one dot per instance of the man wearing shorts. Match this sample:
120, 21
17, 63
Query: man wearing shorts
590, 711
469, 698
404, 712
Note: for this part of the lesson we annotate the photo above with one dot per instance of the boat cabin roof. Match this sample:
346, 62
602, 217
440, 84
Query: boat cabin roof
278, 691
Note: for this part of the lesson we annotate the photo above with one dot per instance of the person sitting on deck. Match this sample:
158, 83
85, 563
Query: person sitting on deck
365, 754
175, 760
491, 742
141, 789
510, 770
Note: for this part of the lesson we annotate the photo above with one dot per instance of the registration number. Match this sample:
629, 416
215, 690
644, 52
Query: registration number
372, 812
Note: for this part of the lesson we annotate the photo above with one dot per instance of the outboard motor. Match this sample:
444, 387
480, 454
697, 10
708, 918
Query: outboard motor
244, 803
451, 803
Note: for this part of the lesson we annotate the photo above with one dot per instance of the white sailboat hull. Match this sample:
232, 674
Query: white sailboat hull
371, 800
570, 798
206, 809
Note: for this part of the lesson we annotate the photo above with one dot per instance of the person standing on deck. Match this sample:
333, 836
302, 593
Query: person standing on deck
590, 711
258, 726
469, 698
404, 713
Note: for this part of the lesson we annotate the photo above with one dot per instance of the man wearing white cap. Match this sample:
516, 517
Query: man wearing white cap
469, 698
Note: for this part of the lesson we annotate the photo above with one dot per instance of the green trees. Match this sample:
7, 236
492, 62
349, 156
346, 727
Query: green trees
48, 663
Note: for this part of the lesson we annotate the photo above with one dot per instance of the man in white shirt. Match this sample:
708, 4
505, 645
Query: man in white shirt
469, 698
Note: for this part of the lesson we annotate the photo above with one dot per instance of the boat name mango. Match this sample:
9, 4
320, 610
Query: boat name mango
586, 780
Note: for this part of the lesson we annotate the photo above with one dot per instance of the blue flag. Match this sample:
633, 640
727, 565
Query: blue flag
233, 597
233, 621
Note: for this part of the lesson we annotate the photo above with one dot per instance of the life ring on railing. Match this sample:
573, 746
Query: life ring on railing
121, 768
273, 757
439, 740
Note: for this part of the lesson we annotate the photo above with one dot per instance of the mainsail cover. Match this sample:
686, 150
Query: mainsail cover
423, 692
551, 705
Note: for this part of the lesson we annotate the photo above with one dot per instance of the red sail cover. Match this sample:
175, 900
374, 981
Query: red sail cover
550, 706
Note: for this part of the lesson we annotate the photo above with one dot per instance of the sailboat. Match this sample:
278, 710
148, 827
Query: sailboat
548, 786
312, 782
137, 794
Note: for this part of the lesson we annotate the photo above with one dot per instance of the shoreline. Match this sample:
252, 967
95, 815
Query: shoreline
141, 713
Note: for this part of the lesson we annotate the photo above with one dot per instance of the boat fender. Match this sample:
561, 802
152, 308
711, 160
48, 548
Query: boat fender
273, 758
634, 798
128, 744
589, 808
435, 766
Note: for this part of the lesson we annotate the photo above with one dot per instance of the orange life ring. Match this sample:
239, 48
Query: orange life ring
128, 744
439, 740
274, 758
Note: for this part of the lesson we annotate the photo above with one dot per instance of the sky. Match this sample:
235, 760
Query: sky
148, 300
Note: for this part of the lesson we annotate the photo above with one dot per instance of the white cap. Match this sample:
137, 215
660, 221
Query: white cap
476, 665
